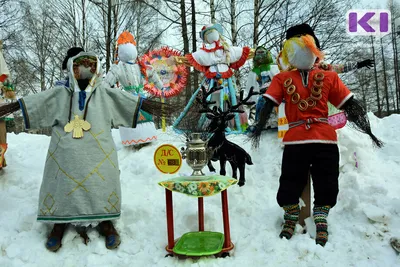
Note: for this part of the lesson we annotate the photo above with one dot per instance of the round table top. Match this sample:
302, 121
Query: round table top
199, 186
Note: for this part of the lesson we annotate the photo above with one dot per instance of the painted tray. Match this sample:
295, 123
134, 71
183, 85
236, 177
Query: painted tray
199, 244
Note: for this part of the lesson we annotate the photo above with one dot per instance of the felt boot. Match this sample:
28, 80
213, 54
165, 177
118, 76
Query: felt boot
107, 229
54, 239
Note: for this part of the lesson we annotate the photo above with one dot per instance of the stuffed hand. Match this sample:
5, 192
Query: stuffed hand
171, 61
365, 63
8, 90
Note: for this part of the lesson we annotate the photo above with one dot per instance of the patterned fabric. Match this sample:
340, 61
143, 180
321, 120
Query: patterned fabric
320, 214
291, 217
81, 176
143, 117
199, 186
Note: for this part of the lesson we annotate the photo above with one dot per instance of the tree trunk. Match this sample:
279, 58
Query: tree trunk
75, 29
108, 35
138, 24
285, 25
256, 22
194, 44
115, 9
185, 47
376, 79
234, 38
385, 79
212, 10
396, 67
84, 24
364, 88
233, 22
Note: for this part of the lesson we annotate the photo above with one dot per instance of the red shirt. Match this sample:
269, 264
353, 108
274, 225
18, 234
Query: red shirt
333, 90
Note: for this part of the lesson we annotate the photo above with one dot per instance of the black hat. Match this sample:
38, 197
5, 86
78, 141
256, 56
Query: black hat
71, 53
301, 29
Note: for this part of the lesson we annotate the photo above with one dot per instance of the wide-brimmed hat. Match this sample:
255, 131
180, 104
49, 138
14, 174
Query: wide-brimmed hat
302, 29
216, 27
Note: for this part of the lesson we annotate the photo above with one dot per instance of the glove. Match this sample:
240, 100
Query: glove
264, 87
365, 63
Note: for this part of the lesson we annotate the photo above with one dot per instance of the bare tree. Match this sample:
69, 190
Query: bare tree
38, 46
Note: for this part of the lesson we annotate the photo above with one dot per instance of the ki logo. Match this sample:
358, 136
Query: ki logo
368, 22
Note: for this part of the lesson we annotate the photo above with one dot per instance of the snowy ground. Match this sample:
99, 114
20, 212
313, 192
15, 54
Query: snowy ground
360, 226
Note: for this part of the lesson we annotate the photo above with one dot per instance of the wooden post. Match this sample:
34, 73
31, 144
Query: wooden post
225, 217
3, 132
200, 202
305, 212
3, 129
170, 219
163, 124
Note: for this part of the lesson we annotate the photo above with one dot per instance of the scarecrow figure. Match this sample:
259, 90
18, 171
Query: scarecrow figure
132, 74
216, 60
310, 143
81, 182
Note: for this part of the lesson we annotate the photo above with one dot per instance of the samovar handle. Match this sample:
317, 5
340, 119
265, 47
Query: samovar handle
183, 152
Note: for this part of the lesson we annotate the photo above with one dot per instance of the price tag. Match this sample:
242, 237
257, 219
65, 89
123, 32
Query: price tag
167, 159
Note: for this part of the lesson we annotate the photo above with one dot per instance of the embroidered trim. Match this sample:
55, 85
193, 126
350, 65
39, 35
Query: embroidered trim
148, 139
194, 63
24, 113
309, 142
307, 122
94, 217
223, 75
273, 99
344, 100
243, 58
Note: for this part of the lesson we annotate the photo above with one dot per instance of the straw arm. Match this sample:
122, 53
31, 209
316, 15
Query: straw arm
7, 109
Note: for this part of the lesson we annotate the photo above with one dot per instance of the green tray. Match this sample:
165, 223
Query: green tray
199, 244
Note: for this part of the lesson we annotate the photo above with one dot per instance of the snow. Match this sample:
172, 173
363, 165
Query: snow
360, 225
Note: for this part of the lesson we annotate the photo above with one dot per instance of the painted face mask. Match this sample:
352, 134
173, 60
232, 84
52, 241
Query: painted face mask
211, 36
84, 67
262, 56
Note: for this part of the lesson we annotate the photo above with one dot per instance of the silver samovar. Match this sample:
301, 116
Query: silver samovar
196, 153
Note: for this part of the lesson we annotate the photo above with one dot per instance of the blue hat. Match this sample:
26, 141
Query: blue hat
216, 26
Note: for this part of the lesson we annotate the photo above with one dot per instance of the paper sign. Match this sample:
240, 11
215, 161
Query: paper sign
167, 159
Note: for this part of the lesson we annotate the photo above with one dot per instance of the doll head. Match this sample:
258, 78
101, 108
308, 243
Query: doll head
211, 33
83, 70
301, 49
262, 56
84, 67
127, 51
